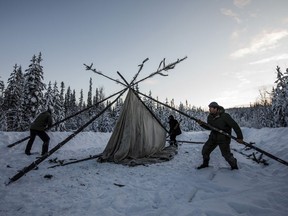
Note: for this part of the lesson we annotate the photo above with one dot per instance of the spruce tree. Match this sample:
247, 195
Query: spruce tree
2, 114
148, 102
67, 107
115, 112
280, 98
62, 105
59, 112
67, 100
101, 122
82, 118
13, 99
49, 101
166, 112
2, 86
33, 91
81, 100
159, 112
74, 109
89, 97
104, 122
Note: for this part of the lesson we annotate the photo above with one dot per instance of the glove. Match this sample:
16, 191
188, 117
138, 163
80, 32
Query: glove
240, 141
200, 122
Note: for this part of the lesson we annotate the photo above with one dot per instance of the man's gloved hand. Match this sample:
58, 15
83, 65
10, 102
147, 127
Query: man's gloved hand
240, 141
200, 122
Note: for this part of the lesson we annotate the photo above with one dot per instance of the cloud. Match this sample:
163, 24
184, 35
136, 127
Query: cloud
285, 20
237, 33
241, 3
230, 13
242, 79
273, 58
261, 43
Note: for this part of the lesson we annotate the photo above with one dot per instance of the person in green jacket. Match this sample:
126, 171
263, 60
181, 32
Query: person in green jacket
37, 128
223, 121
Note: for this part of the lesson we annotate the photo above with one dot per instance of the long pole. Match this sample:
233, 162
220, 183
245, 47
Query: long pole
71, 116
77, 161
220, 131
185, 141
39, 160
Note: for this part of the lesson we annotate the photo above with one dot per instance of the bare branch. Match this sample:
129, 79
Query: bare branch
166, 68
158, 72
100, 73
140, 68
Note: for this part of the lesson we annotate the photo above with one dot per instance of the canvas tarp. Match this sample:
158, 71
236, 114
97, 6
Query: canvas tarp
137, 137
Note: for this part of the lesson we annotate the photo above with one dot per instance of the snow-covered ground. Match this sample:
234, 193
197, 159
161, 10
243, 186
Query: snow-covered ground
173, 188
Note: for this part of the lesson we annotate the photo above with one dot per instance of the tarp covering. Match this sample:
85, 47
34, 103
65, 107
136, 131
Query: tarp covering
137, 134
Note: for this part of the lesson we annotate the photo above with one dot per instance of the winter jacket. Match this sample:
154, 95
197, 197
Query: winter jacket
42, 121
174, 127
224, 122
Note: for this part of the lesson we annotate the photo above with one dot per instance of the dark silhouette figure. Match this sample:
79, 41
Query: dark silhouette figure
174, 130
37, 128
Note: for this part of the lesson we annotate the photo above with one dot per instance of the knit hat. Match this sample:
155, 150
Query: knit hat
213, 104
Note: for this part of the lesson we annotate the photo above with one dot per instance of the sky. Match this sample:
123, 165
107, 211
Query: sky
170, 188
232, 46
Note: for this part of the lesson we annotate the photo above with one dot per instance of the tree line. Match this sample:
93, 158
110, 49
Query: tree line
26, 95
271, 110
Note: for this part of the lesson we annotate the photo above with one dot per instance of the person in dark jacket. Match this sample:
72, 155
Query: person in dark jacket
223, 121
37, 128
174, 130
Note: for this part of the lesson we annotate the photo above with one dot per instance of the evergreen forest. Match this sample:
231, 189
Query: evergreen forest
26, 95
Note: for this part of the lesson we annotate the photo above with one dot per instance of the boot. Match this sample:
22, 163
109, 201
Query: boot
204, 164
176, 144
234, 165
28, 147
27, 152
45, 147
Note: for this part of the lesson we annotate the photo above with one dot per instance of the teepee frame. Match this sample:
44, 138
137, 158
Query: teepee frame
162, 68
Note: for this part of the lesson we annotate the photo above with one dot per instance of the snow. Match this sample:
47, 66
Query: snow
169, 188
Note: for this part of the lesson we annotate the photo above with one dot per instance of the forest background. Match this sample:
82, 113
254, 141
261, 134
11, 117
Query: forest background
26, 95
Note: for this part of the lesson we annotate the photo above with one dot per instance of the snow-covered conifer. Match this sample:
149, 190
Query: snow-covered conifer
49, 101
2, 114
33, 90
280, 98
58, 108
89, 97
13, 99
